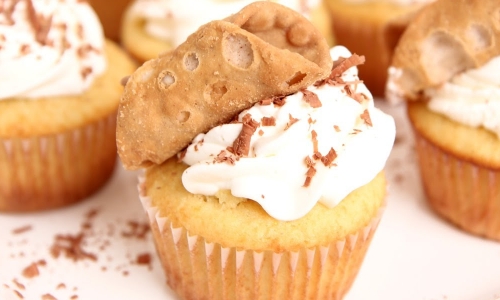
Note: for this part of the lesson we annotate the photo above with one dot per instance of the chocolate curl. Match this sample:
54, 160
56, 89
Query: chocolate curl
365, 116
328, 159
311, 98
339, 67
241, 146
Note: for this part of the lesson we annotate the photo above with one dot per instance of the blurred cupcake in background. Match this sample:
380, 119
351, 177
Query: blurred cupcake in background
59, 92
151, 27
110, 13
448, 64
372, 28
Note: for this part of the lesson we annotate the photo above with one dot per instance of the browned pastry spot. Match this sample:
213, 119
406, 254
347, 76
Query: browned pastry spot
264, 51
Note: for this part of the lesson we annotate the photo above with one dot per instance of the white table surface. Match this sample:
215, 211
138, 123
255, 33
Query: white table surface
414, 254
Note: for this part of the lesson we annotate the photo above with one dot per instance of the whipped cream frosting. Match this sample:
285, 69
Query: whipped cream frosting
352, 141
471, 98
174, 20
398, 2
49, 48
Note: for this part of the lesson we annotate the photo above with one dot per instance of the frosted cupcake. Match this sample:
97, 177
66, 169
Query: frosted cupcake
372, 28
450, 63
59, 91
264, 164
151, 27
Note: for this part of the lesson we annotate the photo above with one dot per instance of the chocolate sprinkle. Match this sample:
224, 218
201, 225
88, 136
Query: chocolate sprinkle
311, 98
241, 144
271, 121
329, 158
31, 271
22, 229
366, 117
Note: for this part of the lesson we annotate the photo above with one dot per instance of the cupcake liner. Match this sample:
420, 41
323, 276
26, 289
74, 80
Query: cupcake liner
49, 171
466, 194
198, 269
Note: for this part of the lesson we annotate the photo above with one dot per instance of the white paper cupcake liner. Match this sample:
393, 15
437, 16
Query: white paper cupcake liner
199, 269
466, 194
54, 170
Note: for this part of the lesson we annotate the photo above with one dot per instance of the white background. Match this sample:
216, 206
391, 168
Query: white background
414, 254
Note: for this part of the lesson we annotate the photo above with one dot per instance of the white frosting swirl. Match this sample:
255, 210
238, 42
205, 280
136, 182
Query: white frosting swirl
274, 172
471, 98
49, 48
174, 20
398, 2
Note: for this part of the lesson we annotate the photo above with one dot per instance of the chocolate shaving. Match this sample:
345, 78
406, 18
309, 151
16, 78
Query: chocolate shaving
359, 97
9, 11
71, 247
222, 157
311, 98
86, 72
291, 122
22, 229
19, 295
31, 271
271, 121
339, 67
241, 144
48, 297
343, 64
366, 117
40, 24
309, 175
143, 259
314, 138
348, 90
337, 128
317, 155
309, 162
25, 49
267, 101
328, 159
136, 230
18, 284
279, 100
84, 50
261, 132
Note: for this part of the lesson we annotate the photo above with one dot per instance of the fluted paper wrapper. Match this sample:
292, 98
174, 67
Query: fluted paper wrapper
50, 171
464, 193
198, 269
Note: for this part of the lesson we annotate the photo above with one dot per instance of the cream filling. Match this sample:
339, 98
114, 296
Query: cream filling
274, 172
471, 98
64, 61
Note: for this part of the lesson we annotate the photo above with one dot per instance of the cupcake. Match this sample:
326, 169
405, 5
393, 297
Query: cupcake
151, 27
59, 92
372, 28
258, 179
448, 63
110, 13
